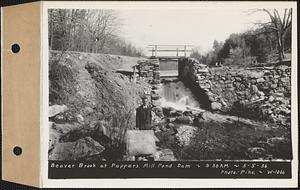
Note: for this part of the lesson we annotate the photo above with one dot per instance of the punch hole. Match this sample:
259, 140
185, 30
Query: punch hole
15, 48
17, 150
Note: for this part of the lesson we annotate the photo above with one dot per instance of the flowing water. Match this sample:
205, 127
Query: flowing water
178, 96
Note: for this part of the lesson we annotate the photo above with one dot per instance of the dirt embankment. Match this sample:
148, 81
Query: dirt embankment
99, 101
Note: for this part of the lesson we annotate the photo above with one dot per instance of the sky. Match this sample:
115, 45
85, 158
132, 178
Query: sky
193, 27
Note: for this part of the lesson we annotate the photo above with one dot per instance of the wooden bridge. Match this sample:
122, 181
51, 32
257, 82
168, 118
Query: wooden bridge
168, 56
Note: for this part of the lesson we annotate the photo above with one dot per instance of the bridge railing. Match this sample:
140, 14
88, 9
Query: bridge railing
178, 49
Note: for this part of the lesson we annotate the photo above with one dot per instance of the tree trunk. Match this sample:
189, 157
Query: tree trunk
51, 39
280, 46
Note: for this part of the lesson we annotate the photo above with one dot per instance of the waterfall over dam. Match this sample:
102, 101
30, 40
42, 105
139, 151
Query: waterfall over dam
178, 96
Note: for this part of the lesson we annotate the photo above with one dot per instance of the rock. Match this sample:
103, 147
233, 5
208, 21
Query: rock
56, 109
285, 112
156, 118
261, 94
254, 89
275, 140
79, 149
164, 155
271, 99
216, 106
273, 86
128, 158
184, 135
256, 152
223, 103
155, 87
253, 98
255, 75
211, 98
87, 110
156, 103
54, 137
64, 117
279, 94
198, 119
170, 125
184, 119
171, 119
175, 113
65, 128
167, 110
238, 79
80, 118
51, 124
260, 80
157, 109
155, 97
285, 79
188, 113
101, 128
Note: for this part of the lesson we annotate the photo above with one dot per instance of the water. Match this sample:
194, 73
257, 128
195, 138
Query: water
176, 95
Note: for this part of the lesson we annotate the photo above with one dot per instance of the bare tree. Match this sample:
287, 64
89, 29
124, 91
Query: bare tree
279, 25
103, 24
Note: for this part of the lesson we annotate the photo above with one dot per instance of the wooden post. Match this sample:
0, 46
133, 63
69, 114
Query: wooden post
177, 52
184, 50
155, 50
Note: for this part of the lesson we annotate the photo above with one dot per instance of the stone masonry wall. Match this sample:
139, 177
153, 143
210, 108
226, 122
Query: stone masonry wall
263, 93
148, 70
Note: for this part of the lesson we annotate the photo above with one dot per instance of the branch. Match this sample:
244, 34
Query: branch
288, 20
265, 25
284, 17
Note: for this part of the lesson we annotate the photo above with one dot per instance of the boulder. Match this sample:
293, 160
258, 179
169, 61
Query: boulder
216, 106
65, 127
82, 148
175, 113
184, 135
188, 113
170, 125
167, 110
54, 137
79, 118
57, 109
256, 152
184, 119
164, 155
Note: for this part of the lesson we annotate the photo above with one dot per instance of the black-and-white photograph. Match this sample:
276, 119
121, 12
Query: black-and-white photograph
170, 85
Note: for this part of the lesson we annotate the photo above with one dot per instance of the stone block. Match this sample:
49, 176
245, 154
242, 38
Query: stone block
216, 106
140, 142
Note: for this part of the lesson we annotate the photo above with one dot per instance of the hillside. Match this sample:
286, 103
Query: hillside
94, 95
